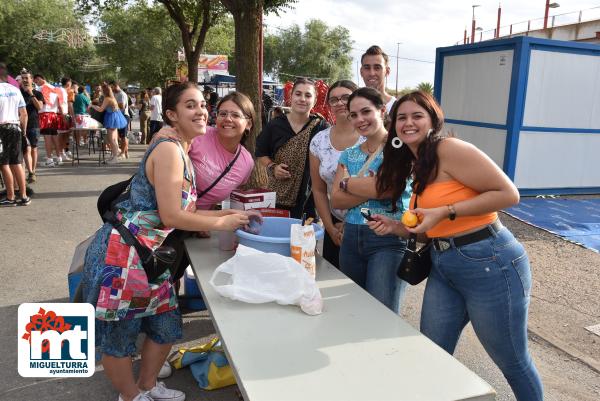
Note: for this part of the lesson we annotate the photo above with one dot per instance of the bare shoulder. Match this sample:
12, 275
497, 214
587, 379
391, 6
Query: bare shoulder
456, 148
165, 151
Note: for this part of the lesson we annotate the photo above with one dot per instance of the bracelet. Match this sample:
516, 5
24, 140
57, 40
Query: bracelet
271, 166
451, 212
344, 184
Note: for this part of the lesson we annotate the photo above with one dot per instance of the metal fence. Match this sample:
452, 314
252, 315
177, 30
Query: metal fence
519, 28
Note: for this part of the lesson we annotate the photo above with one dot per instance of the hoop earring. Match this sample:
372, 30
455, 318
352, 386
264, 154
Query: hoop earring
396, 142
429, 132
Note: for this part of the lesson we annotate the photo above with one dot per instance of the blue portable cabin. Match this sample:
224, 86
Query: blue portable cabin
533, 105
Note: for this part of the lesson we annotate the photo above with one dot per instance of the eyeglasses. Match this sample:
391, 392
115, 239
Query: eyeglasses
234, 115
332, 101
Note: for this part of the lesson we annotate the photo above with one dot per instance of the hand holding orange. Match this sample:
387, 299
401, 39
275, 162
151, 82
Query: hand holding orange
409, 219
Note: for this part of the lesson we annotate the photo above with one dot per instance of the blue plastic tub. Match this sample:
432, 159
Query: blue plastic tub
274, 235
74, 279
193, 296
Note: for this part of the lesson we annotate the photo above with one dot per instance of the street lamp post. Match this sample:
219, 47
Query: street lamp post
397, 62
473, 23
547, 10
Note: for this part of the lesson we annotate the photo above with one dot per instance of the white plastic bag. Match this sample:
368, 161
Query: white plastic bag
256, 277
78, 259
302, 247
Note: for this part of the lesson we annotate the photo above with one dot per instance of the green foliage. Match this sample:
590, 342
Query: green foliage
220, 39
146, 43
21, 20
425, 87
318, 52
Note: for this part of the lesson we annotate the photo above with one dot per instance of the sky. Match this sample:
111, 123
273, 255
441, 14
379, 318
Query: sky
422, 26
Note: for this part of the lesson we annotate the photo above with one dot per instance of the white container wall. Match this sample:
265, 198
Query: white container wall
532, 105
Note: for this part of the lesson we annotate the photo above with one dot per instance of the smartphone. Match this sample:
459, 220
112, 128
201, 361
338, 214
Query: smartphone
366, 213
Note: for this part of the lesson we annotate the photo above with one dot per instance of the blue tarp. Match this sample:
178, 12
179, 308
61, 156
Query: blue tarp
577, 220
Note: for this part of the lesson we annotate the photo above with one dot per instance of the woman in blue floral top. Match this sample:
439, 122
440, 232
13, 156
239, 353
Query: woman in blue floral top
369, 260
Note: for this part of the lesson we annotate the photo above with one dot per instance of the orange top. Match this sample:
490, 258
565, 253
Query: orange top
448, 193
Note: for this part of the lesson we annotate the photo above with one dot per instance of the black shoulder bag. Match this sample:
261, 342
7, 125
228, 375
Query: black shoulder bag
155, 262
176, 237
415, 265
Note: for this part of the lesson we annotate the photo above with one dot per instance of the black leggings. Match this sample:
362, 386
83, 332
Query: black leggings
331, 252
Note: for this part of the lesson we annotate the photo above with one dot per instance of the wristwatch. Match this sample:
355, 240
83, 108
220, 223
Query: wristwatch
451, 212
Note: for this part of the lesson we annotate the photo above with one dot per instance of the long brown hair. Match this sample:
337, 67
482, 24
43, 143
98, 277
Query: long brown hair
399, 164
108, 94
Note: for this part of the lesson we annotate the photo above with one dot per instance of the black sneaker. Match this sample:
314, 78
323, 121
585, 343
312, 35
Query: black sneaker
23, 201
7, 202
31, 178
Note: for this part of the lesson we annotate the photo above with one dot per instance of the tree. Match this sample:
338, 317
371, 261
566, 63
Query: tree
247, 18
318, 52
426, 87
20, 21
192, 17
146, 43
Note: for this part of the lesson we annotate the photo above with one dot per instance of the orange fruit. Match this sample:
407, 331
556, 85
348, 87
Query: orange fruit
409, 219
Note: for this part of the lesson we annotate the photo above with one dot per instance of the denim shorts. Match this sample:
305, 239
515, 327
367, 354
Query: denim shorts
118, 338
33, 134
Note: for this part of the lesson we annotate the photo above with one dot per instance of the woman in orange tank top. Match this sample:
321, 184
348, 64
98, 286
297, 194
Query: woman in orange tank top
480, 273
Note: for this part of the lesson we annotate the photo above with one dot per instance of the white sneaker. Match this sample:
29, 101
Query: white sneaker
161, 393
69, 154
113, 160
165, 370
58, 161
65, 156
50, 163
139, 397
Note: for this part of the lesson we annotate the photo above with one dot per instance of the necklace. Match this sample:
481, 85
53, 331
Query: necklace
369, 150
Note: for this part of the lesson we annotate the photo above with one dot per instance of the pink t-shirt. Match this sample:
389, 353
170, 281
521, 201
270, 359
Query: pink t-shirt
210, 158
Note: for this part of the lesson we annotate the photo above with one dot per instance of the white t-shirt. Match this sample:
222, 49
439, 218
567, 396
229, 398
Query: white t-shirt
121, 97
50, 99
11, 100
322, 149
65, 99
388, 106
156, 112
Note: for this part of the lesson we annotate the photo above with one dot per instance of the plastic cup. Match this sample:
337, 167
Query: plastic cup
227, 241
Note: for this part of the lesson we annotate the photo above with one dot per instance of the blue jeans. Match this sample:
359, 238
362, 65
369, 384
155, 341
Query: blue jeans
487, 283
371, 261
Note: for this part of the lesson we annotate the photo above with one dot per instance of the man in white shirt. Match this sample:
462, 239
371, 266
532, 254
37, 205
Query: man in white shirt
123, 103
50, 119
13, 126
374, 71
156, 120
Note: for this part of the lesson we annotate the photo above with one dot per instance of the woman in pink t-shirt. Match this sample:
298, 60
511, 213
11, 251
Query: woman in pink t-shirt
221, 147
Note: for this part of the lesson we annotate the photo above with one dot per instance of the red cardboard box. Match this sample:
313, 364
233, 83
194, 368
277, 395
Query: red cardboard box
252, 199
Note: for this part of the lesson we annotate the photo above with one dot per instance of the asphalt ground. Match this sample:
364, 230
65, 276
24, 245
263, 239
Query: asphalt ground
37, 243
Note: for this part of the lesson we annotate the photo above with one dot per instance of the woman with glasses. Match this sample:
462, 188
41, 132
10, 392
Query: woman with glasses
369, 260
325, 150
282, 147
223, 146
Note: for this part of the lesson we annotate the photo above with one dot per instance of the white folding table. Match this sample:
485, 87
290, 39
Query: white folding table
357, 349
